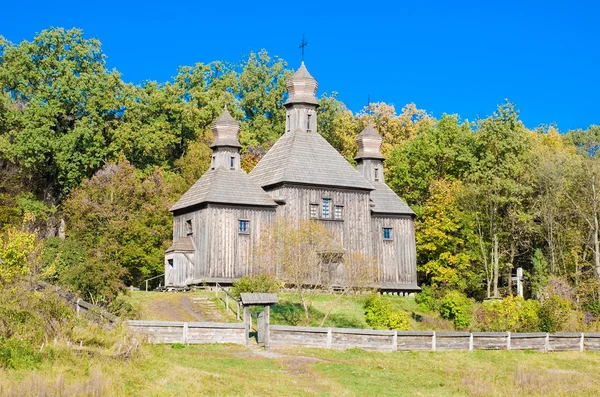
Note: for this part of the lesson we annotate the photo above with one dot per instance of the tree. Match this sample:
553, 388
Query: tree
64, 103
496, 185
123, 223
445, 239
309, 260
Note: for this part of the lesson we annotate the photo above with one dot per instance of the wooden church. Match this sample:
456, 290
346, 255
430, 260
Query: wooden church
218, 221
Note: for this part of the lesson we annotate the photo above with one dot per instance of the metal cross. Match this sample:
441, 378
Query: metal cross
302, 45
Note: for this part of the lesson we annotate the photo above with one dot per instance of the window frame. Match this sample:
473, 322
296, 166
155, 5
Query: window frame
232, 162
189, 227
390, 236
171, 264
315, 214
245, 222
308, 122
335, 212
328, 200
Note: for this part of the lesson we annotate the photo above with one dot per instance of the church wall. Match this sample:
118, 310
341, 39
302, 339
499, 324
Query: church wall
353, 231
397, 257
229, 252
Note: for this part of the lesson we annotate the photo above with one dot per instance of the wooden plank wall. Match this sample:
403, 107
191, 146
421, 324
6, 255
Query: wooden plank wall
389, 341
397, 257
353, 231
192, 333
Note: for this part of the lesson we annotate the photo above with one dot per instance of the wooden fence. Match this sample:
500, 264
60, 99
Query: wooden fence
391, 341
192, 333
83, 308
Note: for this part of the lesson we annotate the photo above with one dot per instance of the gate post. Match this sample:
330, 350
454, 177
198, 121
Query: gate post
246, 324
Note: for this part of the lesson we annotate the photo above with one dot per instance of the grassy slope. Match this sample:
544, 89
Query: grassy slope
348, 313
235, 370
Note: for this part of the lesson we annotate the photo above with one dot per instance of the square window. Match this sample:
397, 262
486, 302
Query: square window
244, 226
189, 230
170, 263
387, 233
325, 208
339, 211
314, 210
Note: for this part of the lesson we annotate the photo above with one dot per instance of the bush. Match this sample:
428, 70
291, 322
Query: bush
555, 313
17, 354
427, 299
455, 306
125, 307
260, 283
380, 315
512, 313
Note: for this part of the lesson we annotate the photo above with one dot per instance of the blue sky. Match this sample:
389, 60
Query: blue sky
460, 57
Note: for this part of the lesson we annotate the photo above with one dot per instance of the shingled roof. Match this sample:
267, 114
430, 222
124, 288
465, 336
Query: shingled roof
306, 158
224, 186
184, 244
388, 202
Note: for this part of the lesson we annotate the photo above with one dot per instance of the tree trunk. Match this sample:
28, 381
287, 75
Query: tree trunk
496, 264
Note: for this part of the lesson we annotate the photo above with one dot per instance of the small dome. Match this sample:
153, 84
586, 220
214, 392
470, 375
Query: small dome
226, 130
369, 143
302, 87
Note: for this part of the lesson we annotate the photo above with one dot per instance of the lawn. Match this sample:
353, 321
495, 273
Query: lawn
227, 370
348, 311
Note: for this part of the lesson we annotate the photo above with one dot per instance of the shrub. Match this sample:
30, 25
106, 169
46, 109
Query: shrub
17, 354
555, 313
260, 283
512, 313
380, 315
427, 299
125, 307
455, 306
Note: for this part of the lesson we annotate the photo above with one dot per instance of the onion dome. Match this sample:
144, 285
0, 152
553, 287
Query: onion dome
225, 130
369, 143
301, 87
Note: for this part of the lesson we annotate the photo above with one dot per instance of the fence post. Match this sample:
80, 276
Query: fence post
78, 299
547, 344
185, 333
581, 343
508, 340
329, 338
237, 317
433, 342
216, 290
395, 341
471, 342
226, 302
146, 285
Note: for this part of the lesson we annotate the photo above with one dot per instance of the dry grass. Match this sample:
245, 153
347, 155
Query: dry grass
229, 370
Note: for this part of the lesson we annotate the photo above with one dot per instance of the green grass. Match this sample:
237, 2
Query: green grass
348, 311
228, 370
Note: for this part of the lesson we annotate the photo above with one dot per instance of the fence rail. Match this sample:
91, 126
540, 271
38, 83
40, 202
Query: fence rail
228, 296
191, 333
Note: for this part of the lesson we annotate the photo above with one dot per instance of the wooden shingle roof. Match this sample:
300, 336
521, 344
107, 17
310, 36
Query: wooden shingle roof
224, 186
306, 158
387, 201
184, 244
254, 298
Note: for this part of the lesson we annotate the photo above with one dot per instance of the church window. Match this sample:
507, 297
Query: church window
314, 210
387, 233
308, 123
376, 174
232, 162
288, 123
212, 165
339, 211
325, 208
244, 226
189, 230
170, 263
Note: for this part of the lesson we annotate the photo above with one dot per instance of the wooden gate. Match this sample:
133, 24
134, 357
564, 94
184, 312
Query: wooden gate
262, 328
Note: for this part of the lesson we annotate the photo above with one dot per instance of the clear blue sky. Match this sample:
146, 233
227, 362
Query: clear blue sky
445, 56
